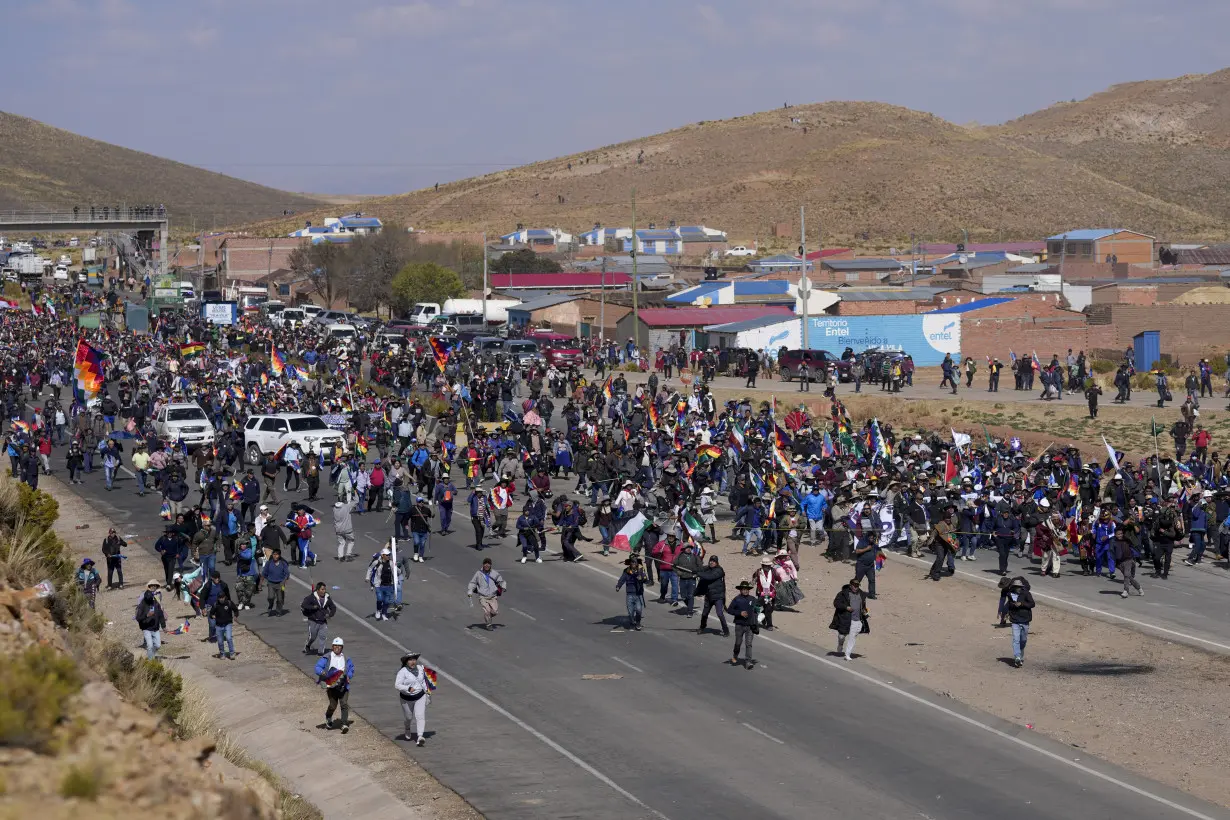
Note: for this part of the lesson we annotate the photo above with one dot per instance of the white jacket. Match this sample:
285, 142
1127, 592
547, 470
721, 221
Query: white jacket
410, 683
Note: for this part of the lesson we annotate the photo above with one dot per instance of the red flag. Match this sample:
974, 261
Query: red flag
950, 470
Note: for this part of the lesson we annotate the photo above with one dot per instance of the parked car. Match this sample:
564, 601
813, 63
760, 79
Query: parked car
289, 317
562, 355
186, 422
331, 317
267, 434
740, 250
790, 361
523, 351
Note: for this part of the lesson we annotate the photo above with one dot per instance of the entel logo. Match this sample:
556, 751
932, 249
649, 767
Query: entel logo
942, 333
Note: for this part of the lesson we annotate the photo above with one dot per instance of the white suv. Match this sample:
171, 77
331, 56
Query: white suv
185, 422
267, 434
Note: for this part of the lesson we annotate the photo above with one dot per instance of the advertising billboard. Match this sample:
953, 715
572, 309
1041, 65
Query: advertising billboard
926, 337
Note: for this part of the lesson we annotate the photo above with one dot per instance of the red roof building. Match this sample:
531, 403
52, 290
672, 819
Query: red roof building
558, 281
664, 327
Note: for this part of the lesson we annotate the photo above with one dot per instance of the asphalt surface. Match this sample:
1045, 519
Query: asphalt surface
519, 731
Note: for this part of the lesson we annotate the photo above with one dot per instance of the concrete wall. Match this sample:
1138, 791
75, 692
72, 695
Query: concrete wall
1188, 332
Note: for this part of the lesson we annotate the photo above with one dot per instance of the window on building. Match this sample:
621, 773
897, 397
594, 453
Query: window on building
852, 277
283, 290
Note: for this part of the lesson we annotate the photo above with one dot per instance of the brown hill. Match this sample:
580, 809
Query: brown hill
880, 169
43, 168
1168, 139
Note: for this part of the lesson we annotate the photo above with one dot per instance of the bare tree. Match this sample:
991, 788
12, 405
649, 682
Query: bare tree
324, 266
374, 260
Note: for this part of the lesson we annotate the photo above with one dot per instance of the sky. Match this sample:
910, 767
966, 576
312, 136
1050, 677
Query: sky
380, 96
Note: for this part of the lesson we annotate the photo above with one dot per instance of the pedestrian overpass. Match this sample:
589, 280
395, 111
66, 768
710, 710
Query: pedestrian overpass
148, 225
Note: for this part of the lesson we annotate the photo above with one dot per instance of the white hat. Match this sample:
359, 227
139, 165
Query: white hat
338, 642
338, 504
386, 551
1118, 476
1044, 504
707, 491
264, 507
1207, 494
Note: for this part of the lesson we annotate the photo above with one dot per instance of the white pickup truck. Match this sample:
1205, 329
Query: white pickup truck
185, 422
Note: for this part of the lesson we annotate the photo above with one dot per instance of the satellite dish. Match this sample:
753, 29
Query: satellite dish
963, 259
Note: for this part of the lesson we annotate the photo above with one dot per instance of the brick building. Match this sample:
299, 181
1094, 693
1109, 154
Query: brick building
862, 270
1102, 245
1188, 332
883, 301
1023, 324
244, 259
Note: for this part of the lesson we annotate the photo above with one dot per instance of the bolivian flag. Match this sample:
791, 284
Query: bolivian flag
191, 349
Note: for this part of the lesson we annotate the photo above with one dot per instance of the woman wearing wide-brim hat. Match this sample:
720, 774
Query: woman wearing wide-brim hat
411, 685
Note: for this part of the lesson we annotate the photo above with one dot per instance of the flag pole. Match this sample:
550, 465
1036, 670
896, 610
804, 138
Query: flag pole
1157, 456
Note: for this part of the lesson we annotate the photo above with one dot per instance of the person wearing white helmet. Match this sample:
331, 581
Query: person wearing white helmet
335, 671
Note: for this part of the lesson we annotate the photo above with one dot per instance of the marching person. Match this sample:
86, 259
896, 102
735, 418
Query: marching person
411, 686
488, 585
712, 585
382, 577
276, 573
335, 672
633, 581
1020, 605
318, 608
849, 617
743, 609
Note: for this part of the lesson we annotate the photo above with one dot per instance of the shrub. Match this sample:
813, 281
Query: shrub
1103, 366
38, 686
39, 509
83, 784
144, 682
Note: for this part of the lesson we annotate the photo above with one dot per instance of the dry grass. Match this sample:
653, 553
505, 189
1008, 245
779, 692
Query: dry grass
196, 719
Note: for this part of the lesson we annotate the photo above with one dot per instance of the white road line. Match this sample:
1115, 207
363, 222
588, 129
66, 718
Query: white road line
440, 572
762, 734
523, 614
841, 667
992, 730
475, 635
625, 663
500, 710
1069, 602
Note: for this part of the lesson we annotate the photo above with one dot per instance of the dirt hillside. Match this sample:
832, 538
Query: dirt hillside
1146, 155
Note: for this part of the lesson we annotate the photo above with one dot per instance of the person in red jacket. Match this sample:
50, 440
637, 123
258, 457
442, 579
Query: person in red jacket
664, 554
1201, 439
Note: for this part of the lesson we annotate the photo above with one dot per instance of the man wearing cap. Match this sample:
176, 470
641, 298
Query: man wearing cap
488, 584
318, 608
632, 580
743, 609
850, 616
945, 542
712, 585
339, 692
411, 686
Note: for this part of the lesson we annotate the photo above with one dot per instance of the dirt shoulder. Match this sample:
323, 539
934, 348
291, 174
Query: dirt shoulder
257, 671
1105, 690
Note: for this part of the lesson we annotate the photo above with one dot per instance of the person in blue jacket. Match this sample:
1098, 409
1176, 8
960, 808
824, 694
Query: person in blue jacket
339, 692
814, 506
276, 573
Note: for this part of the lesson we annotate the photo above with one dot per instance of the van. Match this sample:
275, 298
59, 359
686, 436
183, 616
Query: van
523, 351
487, 343
345, 333
289, 317
461, 321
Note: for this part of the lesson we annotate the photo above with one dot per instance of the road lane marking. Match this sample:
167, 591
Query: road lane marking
625, 663
500, 710
1069, 602
974, 722
523, 614
440, 572
762, 734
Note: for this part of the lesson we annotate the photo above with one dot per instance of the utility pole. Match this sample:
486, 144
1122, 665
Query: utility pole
636, 323
484, 279
602, 309
1063, 255
804, 289
913, 261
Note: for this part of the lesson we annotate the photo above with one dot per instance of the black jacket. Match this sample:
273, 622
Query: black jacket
712, 584
842, 619
315, 611
1020, 611
740, 604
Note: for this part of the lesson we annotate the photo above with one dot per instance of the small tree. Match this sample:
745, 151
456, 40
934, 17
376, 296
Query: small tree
324, 265
425, 282
524, 261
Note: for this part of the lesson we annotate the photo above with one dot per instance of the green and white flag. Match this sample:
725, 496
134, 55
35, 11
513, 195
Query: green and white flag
694, 526
629, 536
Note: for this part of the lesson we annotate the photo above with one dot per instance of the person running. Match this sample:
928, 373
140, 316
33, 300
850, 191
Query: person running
413, 690
488, 585
382, 577
335, 672
318, 608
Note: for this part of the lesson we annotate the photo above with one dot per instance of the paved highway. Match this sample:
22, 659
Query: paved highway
670, 729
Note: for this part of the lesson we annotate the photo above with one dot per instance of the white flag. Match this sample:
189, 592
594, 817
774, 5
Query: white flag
960, 439
1114, 459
